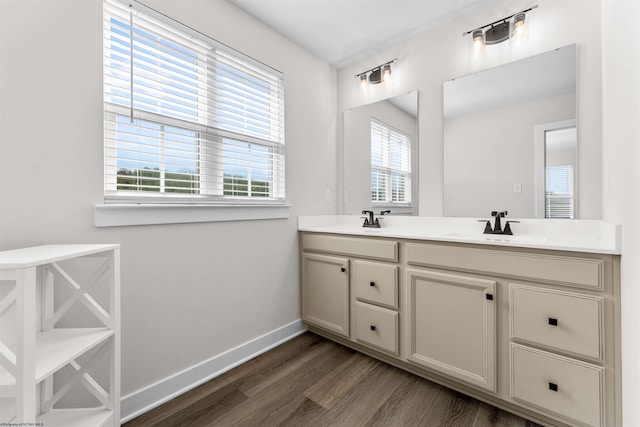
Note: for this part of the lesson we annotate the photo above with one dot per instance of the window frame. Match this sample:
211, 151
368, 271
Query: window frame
208, 138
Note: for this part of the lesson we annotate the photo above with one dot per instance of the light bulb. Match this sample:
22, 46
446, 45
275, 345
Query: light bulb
386, 73
478, 40
363, 81
520, 32
477, 44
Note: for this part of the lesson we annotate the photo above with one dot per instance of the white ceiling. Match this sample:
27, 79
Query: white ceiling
343, 31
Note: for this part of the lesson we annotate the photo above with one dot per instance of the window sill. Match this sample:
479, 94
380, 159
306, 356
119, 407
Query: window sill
120, 215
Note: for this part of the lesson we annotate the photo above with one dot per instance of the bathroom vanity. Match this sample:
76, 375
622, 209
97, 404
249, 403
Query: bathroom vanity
529, 323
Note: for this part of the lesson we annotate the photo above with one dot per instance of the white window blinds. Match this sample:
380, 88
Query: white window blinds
390, 166
559, 192
187, 120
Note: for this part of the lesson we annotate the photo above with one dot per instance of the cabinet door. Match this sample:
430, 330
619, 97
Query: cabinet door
325, 292
452, 325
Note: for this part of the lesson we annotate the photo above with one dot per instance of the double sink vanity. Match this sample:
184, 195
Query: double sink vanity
527, 322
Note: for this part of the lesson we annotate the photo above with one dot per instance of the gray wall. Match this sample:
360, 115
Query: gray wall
192, 291
621, 177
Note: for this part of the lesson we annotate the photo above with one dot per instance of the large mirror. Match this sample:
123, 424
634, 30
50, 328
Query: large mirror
381, 156
510, 139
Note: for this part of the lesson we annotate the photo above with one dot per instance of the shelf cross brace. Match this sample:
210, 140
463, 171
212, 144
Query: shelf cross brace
80, 293
79, 373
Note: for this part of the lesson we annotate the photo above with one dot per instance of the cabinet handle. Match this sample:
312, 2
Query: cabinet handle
553, 387
343, 269
489, 297
373, 328
553, 322
372, 284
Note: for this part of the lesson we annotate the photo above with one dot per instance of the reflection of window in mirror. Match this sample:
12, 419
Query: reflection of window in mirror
560, 146
390, 166
556, 174
559, 192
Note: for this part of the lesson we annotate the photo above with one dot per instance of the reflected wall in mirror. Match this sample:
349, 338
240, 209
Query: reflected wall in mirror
380, 156
510, 139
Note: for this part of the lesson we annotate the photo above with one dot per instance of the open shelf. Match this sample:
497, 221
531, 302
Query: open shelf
57, 347
76, 417
29, 363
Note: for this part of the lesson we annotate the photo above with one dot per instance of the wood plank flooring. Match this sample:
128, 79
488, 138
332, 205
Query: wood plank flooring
311, 381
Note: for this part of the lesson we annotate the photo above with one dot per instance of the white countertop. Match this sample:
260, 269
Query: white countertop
579, 235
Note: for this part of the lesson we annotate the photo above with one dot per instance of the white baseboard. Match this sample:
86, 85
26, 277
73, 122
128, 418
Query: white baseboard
154, 395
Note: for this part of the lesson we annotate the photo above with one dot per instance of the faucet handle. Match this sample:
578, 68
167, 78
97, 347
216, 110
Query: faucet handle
487, 226
385, 212
507, 228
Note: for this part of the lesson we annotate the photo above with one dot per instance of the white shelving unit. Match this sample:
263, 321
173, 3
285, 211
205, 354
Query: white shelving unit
36, 349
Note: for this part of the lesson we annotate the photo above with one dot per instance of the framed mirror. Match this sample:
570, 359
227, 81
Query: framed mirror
510, 139
381, 156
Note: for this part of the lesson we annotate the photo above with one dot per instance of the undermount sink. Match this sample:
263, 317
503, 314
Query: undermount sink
497, 237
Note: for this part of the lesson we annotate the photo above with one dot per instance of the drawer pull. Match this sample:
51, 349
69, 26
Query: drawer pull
553, 387
343, 269
372, 284
489, 297
553, 321
373, 327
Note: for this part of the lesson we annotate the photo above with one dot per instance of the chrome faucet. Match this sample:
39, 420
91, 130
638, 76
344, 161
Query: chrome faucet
497, 228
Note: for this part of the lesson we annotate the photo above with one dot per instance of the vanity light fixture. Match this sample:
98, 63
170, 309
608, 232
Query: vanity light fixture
376, 75
386, 72
363, 81
478, 41
520, 33
513, 27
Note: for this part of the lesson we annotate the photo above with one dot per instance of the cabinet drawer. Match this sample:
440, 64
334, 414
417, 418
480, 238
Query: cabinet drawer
386, 250
558, 384
565, 321
376, 282
547, 268
377, 327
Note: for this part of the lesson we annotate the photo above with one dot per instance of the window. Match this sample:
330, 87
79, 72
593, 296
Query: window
390, 166
186, 119
559, 192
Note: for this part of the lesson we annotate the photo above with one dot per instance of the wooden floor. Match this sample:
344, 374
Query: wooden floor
311, 381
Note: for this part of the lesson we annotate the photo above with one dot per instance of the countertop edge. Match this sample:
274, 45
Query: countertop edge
450, 239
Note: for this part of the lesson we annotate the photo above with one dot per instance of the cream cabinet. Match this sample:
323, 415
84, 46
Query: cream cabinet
531, 331
566, 322
46, 348
377, 327
325, 292
452, 325
376, 305
557, 352
556, 384
350, 288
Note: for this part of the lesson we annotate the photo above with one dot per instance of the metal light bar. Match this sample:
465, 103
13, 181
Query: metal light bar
378, 67
497, 22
